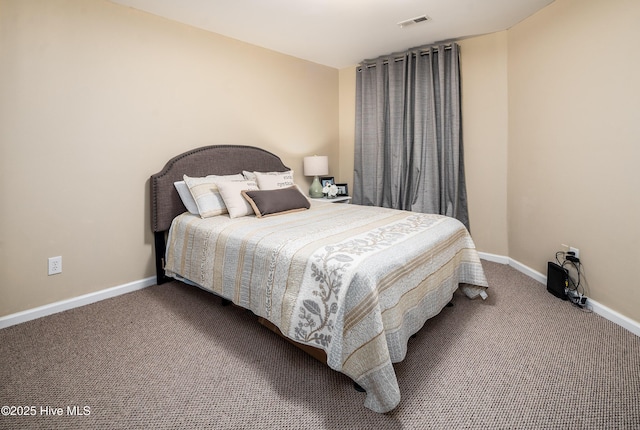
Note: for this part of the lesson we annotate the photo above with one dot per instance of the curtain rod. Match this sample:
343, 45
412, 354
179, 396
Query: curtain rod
422, 51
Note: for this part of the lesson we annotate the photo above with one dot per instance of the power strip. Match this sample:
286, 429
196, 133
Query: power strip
576, 298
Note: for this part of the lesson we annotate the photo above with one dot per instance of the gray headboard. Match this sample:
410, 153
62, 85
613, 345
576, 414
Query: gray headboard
207, 160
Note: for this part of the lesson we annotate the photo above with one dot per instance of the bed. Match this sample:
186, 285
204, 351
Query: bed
350, 281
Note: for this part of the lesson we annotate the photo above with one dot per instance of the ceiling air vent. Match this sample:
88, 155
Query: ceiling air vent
416, 20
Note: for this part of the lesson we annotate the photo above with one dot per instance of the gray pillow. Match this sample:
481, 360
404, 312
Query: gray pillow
276, 202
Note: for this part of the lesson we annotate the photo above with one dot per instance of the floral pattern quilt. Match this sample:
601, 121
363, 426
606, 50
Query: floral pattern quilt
352, 280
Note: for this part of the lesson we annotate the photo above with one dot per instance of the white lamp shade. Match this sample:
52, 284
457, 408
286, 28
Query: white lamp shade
316, 165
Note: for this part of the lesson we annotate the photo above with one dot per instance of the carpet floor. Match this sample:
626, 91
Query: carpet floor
170, 356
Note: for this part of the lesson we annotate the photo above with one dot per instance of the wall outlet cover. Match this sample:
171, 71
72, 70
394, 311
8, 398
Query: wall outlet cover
55, 265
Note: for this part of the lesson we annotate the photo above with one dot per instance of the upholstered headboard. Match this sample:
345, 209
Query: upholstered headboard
207, 160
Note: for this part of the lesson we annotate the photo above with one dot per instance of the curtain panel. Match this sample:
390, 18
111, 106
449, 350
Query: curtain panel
408, 148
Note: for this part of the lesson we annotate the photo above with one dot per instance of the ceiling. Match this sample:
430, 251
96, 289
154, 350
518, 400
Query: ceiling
341, 33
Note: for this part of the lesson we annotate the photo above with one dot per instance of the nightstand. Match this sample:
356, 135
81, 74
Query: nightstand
339, 199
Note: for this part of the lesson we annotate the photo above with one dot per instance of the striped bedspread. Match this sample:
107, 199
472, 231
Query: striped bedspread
355, 281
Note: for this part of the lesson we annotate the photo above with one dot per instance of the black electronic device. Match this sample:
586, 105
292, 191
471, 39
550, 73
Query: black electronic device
557, 280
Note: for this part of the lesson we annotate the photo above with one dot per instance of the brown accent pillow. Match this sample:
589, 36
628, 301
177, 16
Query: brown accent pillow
276, 202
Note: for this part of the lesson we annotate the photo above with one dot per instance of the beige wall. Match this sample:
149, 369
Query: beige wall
574, 143
483, 70
347, 123
96, 97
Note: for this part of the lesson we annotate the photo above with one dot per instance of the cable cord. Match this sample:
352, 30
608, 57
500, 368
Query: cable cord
573, 285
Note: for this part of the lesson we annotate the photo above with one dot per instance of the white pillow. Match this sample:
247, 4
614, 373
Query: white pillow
274, 180
231, 192
206, 195
249, 176
186, 197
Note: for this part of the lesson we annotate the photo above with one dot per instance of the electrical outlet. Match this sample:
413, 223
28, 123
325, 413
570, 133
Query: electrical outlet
55, 265
575, 251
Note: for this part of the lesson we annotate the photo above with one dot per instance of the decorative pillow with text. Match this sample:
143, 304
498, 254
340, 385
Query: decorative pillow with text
274, 180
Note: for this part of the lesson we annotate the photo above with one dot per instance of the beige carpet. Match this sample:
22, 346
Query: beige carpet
171, 356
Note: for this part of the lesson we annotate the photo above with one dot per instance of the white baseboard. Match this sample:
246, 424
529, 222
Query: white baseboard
598, 308
74, 302
495, 258
31, 314
528, 271
613, 316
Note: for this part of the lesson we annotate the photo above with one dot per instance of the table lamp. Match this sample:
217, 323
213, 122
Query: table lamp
316, 165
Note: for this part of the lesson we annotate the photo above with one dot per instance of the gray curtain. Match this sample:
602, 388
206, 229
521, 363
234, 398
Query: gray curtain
408, 148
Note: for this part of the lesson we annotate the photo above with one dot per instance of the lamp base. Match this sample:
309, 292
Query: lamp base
315, 190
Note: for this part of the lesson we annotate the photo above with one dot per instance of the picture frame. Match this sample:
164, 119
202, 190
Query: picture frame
343, 189
326, 180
